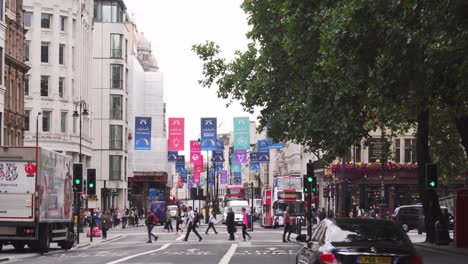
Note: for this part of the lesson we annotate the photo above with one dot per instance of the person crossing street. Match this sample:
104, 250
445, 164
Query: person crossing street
245, 224
151, 221
287, 225
211, 223
192, 225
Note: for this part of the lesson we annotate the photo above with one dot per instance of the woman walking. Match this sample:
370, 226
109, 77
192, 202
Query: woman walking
169, 221
245, 224
211, 222
105, 223
179, 220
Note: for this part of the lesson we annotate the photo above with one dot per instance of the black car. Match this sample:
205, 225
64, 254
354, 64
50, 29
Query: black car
408, 216
358, 240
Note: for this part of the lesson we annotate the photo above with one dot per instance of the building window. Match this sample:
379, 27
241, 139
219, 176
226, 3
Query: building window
115, 137
116, 107
46, 121
116, 46
115, 167
116, 76
26, 85
27, 113
63, 21
45, 20
126, 49
27, 45
62, 54
410, 150
397, 150
61, 87
108, 11
45, 52
27, 19
44, 85
63, 122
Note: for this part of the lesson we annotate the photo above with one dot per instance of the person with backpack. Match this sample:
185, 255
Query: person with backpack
211, 223
192, 225
151, 221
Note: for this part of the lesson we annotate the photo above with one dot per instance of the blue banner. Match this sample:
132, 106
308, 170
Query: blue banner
272, 145
180, 160
142, 133
209, 137
218, 156
219, 144
254, 166
189, 181
253, 156
211, 177
152, 193
237, 178
179, 169
183, 175
172, 156
263, 151
218, 167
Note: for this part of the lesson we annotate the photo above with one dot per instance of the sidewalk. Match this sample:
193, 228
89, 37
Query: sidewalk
85, 241
442, 249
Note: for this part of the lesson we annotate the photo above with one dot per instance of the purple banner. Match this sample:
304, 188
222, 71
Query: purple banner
241, 156
224, 177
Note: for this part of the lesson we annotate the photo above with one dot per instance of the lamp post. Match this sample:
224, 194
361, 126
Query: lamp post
81, 109
37, 129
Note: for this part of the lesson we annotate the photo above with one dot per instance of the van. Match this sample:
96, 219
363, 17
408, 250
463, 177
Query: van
243, 203
408, 216
238, 216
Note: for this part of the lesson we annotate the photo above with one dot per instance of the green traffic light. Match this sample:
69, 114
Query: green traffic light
314, 190
91, 185
77, 181
432, 184
306, 190
310, 179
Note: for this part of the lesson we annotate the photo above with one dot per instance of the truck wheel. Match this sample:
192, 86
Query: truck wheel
44, 239
18, 245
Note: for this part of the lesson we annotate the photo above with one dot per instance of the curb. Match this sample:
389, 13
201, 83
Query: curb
97, 242
441, 249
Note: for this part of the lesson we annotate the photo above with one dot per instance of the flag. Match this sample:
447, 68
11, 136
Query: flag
241, 133
175, 139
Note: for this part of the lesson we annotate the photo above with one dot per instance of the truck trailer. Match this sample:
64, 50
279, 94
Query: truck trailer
36, 198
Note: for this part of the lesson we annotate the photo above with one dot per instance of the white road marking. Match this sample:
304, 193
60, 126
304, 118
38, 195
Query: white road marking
180, 238
227, 257
140, 254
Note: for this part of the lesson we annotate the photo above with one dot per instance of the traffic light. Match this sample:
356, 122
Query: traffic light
432, 173
309, 178
306, 184
78, 177
91, 189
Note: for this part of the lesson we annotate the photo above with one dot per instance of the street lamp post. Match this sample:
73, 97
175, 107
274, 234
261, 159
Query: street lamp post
37, 129
81, 109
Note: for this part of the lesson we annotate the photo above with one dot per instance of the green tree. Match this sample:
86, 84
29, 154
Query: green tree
329, 72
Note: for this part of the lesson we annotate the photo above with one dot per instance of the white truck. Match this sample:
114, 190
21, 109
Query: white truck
36, 198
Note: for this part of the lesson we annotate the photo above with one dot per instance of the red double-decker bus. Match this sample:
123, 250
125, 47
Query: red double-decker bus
234, 193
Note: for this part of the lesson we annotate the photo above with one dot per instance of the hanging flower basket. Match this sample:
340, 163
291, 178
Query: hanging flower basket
362, 167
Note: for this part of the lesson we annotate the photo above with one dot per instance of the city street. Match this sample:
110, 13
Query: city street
129, 246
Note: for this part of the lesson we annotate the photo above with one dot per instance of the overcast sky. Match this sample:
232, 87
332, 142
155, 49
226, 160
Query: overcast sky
173, 26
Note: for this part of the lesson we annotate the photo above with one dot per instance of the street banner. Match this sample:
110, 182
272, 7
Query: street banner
195, 146
195, 152
189, 181
179, 182
236, 167
172, 156
240, 156
211, 177
203, 179
241, 133
209, 136
197, 169
183, 175
152, 193
254, 157
218, 156
224, 177
196, 178
263, 151
237, 178
219, 144
180, 163
254, 166
175, 139
218, 167
142, 133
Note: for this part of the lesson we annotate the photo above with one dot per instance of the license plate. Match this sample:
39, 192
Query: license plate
374, 260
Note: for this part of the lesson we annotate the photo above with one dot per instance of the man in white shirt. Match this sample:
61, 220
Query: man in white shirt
192, 225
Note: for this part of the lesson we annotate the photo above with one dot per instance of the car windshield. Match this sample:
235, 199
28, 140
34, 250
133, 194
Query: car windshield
295, 208
348, 231
237, 209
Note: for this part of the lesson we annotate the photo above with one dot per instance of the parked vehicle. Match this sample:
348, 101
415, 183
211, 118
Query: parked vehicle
238, 216
358, 240
35, 198
408, 216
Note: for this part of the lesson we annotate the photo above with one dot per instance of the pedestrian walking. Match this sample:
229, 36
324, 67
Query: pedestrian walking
179, 219
151, 221
169, 221
245, 224
105, 223
211, 223
231, 225
287, 225
125, 218
192, 225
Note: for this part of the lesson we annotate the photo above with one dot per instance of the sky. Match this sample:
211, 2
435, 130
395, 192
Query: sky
172, 27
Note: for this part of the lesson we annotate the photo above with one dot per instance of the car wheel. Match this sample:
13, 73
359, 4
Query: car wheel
405, 227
